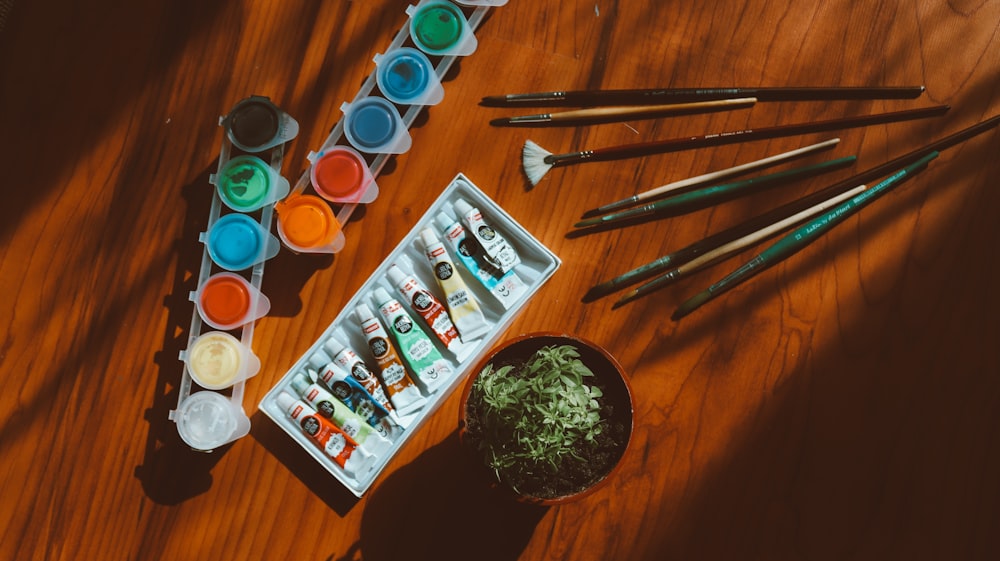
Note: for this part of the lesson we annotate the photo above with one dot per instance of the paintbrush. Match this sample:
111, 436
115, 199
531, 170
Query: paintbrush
590, 98
702, 197
705, 245
798, 239
623, 112
724, 251
711, 176
538, 161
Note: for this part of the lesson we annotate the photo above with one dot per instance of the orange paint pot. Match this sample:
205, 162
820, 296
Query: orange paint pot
227, 300
340, 174
306, 224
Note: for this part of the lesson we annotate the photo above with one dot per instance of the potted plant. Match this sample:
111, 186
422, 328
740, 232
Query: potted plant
548, 415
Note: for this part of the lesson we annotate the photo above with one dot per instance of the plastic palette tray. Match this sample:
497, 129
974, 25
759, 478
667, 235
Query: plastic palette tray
537, 265
474, 11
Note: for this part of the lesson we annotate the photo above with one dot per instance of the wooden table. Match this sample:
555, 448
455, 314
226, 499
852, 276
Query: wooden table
842, 405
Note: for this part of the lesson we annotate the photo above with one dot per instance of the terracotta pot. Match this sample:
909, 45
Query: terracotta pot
606, 368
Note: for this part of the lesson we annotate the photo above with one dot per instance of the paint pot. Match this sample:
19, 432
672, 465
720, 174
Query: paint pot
373, 126
216, 360
341, 175
255, 124
227, 300
406, 76
306, 224
236, 242
439, 28
247, 183
206, 420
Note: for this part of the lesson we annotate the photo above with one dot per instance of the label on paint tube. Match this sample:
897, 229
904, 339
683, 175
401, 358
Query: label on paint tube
335, 443
428, 307
346, 358
507, 287
498, 252
347, 420
462, 306
418, 351
403, 392
352, 394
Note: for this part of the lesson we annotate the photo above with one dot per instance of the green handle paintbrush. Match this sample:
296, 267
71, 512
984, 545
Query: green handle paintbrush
699, 198
798, 239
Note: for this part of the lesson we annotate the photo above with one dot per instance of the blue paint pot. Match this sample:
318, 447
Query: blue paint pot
373, 125
236, 242
406, 76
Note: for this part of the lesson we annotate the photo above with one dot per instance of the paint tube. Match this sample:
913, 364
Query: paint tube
416, 348
352, 394
462, 305
403, 392
506, 288
339, 447
346, 358
497, 251
430, 309
346, 420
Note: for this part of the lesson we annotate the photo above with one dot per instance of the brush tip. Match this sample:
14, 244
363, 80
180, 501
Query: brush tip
533, 159
500, 122
598, 291
591, 213
691, 304
494, 100
628, 297
593, 221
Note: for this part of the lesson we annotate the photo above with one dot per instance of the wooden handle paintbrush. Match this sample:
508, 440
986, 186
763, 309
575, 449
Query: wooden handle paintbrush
537, 161
590, 98
622, 113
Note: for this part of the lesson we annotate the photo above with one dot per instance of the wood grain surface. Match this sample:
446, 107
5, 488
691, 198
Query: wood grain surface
844, 404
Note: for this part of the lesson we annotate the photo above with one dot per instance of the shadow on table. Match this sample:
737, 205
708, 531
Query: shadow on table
437, 508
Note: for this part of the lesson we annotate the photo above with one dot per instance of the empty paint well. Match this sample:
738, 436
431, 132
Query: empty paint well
306, 224
247, 183
374, 126
340, 174
236, 242
206, 420
406, 76
227, 300
439, 28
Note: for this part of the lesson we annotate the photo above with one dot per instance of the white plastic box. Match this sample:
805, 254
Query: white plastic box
537, 265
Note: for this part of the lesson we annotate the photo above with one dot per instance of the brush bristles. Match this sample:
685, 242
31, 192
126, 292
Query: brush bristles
533, 158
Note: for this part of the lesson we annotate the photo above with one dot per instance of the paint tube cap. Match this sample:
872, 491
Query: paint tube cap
428, 237
444, 221
334, 345
301, 383
462, 207
319, 359
381, 295
286, 401
396, 275
363, 312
